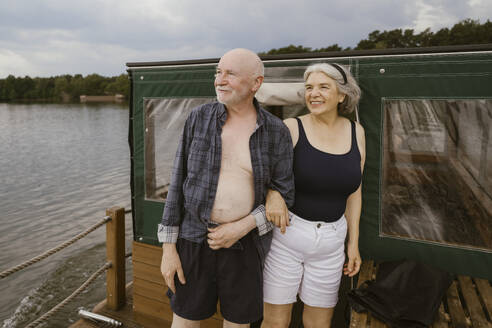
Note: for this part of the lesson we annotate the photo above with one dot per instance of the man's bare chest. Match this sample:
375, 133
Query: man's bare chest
235, 148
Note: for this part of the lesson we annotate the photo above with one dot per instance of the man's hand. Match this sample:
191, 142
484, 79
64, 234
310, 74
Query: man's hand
170, 265
227, 234
354, 261
276, 210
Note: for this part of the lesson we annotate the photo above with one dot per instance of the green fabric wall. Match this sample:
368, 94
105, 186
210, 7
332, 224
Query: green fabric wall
453, 76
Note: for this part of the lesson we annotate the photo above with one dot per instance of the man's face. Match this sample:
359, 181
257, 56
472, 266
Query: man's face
234, 82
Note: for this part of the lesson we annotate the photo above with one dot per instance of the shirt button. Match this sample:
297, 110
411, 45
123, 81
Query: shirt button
319, 225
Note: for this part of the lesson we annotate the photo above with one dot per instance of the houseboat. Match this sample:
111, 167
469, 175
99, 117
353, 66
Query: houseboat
427, 185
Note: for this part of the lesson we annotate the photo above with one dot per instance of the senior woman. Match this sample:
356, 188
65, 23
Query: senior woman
307, 257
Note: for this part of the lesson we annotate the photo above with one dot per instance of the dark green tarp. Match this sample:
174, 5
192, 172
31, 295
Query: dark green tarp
427, 119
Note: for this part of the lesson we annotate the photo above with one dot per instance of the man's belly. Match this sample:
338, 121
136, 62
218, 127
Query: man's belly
234, 198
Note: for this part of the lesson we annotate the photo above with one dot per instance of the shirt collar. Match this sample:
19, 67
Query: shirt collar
260, 116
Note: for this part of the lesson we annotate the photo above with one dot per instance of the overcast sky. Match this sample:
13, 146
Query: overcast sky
53, 37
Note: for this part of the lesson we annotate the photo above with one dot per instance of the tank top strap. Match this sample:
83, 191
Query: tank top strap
354, 137
302, 133
354, 146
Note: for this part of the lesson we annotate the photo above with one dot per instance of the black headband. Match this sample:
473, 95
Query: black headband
341, 72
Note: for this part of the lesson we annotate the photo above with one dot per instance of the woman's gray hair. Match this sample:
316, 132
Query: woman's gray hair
346, 85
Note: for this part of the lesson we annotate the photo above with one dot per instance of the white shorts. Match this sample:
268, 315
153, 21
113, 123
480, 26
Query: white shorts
306, 260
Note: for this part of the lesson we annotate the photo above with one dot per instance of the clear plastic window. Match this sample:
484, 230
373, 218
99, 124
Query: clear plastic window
437, 171
164, 122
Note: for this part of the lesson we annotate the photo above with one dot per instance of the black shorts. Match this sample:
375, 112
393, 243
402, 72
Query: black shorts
231, 275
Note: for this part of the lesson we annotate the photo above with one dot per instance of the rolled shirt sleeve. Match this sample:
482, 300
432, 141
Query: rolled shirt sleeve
263, 225
167, 234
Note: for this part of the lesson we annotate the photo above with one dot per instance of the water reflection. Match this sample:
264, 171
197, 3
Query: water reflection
61, 166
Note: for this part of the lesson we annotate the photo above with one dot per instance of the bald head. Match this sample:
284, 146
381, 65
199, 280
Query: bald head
247, 61
239, 75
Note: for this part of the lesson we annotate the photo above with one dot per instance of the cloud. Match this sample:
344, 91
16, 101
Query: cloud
49, 37
437, 14
433, 15
10, 61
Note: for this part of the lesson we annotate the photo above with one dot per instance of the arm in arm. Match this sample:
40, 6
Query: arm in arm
282, 181
281, 193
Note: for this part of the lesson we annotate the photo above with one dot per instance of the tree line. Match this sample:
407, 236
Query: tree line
62, 88
69, 88
465, 32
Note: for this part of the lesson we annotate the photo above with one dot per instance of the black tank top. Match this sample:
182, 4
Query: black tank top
323, 180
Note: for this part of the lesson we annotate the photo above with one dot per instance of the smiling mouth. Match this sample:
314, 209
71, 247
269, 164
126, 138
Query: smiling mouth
316, 102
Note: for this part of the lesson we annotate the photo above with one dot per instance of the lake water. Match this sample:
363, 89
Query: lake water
61, 167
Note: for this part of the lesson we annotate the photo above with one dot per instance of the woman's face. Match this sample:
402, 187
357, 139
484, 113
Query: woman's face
321, 94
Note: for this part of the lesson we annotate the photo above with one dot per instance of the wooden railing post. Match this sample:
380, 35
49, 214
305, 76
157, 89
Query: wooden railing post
115, 253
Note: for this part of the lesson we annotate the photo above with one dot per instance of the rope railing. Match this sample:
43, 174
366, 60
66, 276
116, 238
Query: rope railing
115, 220
52, 251
79, 290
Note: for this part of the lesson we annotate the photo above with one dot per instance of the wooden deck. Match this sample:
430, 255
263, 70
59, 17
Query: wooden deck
124, 315
146, 302
468, 303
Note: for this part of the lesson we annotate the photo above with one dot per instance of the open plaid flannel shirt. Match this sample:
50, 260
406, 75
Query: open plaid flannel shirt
196, 170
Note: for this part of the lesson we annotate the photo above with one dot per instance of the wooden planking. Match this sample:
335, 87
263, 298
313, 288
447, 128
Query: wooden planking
115, 253
147, 272
148, 307
147, 321
485, 291
160, 311
472, 301
365, 273
440, 321
156, 292
151, 305
125, 314
477, 302
458, 318
213, 322
376, 323
148, 254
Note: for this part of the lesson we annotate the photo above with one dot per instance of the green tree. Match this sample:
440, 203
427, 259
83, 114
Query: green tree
3, 95
333, 47
291, 49
10, 84
465, 32
120, 85
94, 84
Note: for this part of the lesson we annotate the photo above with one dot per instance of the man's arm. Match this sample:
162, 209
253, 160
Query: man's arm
282, 177
172, 216
280, 195
226, 235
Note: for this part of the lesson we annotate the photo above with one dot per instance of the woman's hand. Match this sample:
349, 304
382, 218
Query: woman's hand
352, 267
276, 210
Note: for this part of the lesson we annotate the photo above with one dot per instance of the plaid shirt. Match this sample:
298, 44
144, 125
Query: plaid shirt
196, 170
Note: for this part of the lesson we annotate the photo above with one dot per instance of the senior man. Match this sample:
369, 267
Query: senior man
214, 234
